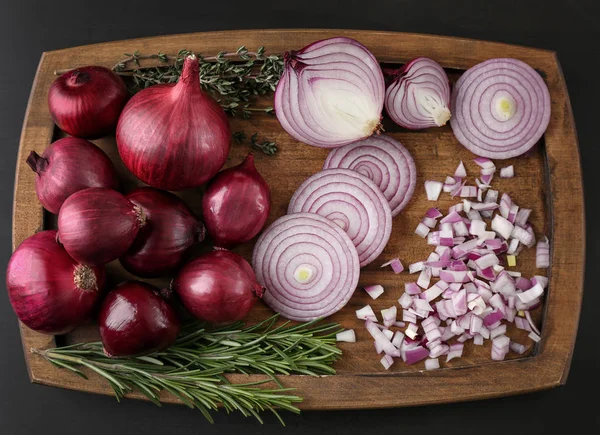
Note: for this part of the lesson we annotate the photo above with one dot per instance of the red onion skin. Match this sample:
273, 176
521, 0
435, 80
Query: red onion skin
219, 287
98, 225
41, 282
134, 320
86, 102
236, 204
67, 166
174, 136
164, 242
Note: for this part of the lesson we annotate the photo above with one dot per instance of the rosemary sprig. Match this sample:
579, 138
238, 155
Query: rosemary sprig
267, 147
235, 79
193, 368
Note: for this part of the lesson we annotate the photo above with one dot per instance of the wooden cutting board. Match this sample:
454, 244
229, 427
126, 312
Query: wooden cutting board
548, 180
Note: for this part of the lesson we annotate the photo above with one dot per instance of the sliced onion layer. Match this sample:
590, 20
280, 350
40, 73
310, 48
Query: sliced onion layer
383, 160
308, 265
331, 93
500, 108
419, 96
351, 201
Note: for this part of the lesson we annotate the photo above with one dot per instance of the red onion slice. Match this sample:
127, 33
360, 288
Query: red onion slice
331, 93
419, 96
500, 107
354, 203
383, 160
309, 266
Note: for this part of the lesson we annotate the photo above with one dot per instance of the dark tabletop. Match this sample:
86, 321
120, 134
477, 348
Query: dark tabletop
570, 27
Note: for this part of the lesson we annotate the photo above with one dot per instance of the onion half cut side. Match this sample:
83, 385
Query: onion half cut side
307, 264
500, 108
330, 93
351, 201
383, 160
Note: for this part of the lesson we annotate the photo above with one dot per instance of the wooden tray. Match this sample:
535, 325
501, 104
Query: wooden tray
548, 180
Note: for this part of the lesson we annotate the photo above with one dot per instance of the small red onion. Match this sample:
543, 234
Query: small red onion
501, 108
165, 241
98, 225
353, 202
134, 320
236, 204
419, 95
308, 265
68, 166
174, 136
87, 101
383, 160
218, 287
49, 291
330, 93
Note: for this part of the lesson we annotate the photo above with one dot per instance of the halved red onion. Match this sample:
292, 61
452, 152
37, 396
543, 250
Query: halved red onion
351, 201
419, 95
383, 160
500, 107
331, 93
308, 265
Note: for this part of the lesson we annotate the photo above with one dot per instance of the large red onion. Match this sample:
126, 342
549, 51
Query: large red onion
174, 136
218, 287
501, 108
87, 101
68, 166
331, 93
354, 203
134, 320
98, 225
419, 95
383, 160
49, 291
309, 266
236, 204
165, 241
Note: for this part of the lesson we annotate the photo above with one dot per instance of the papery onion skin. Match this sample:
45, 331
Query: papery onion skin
134, 320
501, 108
303, 102
174, 136
67, 166
419, 95
50, 292
324, 193
218, 287
86, 102
236, 204
98, 225
383, 160
311, 242
165, 241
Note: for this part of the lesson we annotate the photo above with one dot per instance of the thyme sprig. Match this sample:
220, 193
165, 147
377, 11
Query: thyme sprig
266, 146
193, 368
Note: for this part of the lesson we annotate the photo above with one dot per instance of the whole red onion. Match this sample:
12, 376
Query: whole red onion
87, 101
49, 291
218, 287
98, 225
174, 136
67, 166
164, 242
236, 204
134, 320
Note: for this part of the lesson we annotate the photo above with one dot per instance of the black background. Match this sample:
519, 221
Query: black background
570, 27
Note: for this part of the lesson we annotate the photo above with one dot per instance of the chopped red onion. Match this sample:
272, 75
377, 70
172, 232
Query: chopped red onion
380, 337
389, 316
522, 216
408, 317
366, 313
347, 336
522, 323
512, 214
421, 304
502, 226
432, 364
542, 254
396, 264
374, 291
517, 348
507, 172
414, 355
405, 301
535, 337
493, 317
530, 322
478, 339
497, 331
456, 208
484, 207
388, 334
434, 291
460, 172
468, 192
387, 361
400, 324
456, 351
429, 222
433, 213
454, 276
422, 230
523, 236
530, 295
474, 216
416, 267
424, 278
541, 280
397, 339
433, 189
411, 330
513, 244
412, 288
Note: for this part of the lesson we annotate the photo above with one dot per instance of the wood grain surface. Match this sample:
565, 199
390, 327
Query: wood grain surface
548, 180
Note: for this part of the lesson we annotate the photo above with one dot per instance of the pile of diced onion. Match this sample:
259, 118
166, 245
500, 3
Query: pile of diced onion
475, 297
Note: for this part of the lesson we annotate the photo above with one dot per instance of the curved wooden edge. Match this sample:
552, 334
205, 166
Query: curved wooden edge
549, 368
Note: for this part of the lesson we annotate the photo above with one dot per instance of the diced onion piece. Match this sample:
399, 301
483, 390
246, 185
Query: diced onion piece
414, 355
456, 351
468, 192
347, 336
374, 291
389, 316
530, 295
522, 217
433, 189
531, 324
432, 363
460, 172
415, 267
411, 330
541, 280
542, 254
422, 230
507, 172
366, 313
535, 337
412, 288
396, 264
409, 317
502, 226
517, 348
398, 339
388, 334
387, 361
424, 278
383, 341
